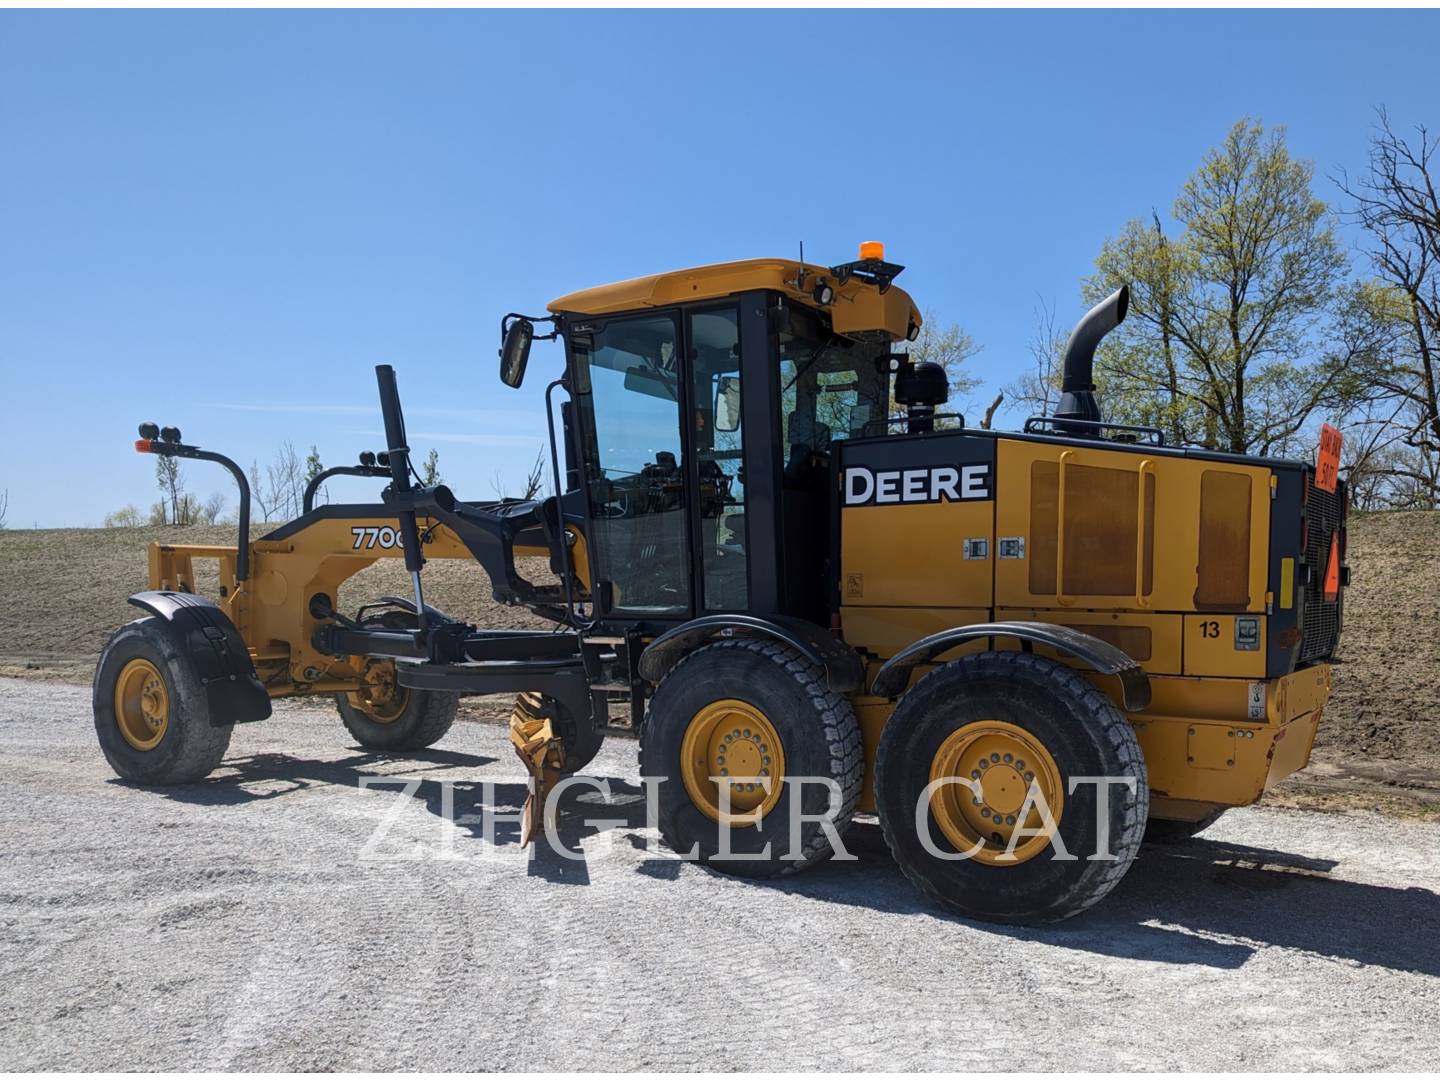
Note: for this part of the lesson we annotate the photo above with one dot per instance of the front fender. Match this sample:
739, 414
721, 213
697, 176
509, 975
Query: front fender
202, 630
1099, 656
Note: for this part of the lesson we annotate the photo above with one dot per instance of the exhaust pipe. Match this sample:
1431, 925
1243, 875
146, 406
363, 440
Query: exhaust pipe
1077, 390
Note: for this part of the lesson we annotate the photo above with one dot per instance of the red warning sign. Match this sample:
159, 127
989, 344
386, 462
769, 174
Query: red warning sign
1332, 571
1327, 461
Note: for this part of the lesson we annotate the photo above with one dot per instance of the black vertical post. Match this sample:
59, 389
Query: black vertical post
399, 457
763, 455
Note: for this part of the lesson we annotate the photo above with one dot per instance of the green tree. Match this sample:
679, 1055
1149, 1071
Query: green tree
949, 345
1233, 340
430, 470
313, 465
127, 517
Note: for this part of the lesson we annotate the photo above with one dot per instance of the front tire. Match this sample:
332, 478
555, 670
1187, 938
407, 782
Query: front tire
1016, 726
396, 717
152, 715
760, 714
382, 714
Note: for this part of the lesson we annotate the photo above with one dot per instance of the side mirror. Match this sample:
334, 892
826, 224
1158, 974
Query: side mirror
727, 403
515, 351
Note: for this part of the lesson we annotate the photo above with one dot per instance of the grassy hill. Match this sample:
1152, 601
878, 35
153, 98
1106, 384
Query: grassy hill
62, 591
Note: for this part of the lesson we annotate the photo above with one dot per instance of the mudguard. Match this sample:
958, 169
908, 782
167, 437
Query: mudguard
202, 630
844, 670
1098, 655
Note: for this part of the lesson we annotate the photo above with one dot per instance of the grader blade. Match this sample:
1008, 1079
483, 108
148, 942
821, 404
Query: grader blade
540, 750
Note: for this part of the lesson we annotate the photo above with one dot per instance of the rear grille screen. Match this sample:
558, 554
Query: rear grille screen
1320, 621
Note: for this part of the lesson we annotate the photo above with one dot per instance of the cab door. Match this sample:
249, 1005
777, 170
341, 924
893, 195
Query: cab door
630, 397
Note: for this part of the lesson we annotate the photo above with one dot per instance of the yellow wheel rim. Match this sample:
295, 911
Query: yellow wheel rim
1006, 762
731, 741
380, 697
142, 705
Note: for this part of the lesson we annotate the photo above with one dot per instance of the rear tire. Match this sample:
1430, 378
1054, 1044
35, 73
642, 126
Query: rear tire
736, 697
992, 707
152, 715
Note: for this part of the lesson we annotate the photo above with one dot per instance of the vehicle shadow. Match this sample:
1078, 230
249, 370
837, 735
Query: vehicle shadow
487, 809
1203, 902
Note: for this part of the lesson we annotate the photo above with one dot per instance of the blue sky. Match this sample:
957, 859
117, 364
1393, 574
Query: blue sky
224, 220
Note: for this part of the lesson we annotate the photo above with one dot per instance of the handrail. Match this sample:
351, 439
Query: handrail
148, 444
1060, 597
1098, 427
313, 487
1147, 468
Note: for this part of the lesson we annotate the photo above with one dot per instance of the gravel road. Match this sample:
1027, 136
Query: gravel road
255, 922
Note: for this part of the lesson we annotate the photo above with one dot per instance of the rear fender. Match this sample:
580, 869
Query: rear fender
203, 631
1095, 654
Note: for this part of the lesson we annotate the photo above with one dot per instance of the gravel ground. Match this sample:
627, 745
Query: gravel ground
242, 924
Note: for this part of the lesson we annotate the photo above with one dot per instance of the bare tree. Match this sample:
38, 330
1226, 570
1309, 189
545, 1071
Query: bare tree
211, 509
535, 478
172, 487
1039, 388
279, 492
286, 481
260, 494
1396, 203
4, 506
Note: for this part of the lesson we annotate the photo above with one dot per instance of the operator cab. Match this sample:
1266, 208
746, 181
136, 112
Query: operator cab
703, 408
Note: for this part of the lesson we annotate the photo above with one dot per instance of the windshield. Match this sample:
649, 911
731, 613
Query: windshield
830, 387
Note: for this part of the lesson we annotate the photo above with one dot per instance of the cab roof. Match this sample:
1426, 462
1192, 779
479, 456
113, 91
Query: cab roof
859, 308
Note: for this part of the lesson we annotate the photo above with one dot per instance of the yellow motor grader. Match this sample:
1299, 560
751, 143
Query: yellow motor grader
809, 589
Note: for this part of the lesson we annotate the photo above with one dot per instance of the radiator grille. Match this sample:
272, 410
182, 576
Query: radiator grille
1320, 621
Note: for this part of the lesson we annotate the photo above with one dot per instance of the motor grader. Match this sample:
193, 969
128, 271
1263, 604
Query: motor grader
811, 591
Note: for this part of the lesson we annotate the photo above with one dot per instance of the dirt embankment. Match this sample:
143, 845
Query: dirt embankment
62, 591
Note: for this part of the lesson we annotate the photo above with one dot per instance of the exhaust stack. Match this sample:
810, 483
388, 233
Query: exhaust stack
1077, 397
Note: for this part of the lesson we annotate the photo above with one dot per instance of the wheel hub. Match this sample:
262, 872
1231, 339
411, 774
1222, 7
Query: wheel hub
380, 697
732, 743
142, 704
1010, 767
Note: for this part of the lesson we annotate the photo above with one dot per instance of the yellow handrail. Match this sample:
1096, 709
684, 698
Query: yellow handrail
1060, 596
1147, 468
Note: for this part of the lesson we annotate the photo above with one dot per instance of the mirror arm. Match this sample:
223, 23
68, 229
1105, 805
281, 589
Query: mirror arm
553, 320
